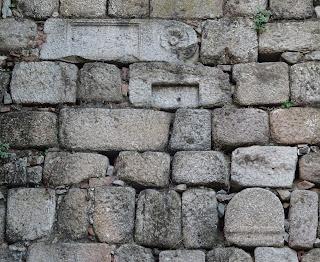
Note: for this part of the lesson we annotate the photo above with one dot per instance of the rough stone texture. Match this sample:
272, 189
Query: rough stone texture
233, 127
119, 129
199, 218
4, 83
113, 218
63, 168
305, 83
261, 83
124, 8
295, 125
312, 256
2, 221
7, 255
100, 82
244, 7
206, 168
148, 169
303, 217
229, 41
13, 172
158, 219
287, 9
228, 254
39, 9
264, 166
133, 253
126, 41
254, 217
172, 86
182, 256
30, 213
267, 254
314, 55
83, 8
44, 83
186, 8
62, 252
291, 57
28, 129
191, 130
309, 167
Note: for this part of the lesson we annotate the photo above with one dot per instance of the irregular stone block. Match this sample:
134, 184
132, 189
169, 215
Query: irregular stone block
182, 256
232, 127
148, 169
4, 83
8, 255
264, 166
171, 86
113, 217
295, 125
205, 168
287, 9
13, 172
126, 41
303, 217
261, 83
34, 175
267, 254
114, 130
63, 168
39, 9
309, 167
229, 41
244, 8
124, 8
312, 256
133, 253
44, 83
2, 221
228, 254
29, 129
191, 130
158, 219
83, 8
30, 213
100, 82
255, 217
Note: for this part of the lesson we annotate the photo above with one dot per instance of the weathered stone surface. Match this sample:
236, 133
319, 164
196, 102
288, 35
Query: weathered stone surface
2, 221
314, 55
100, 82
133, 253
148, 169
124, 8
244, 7
233, 127
4, 83
295, 9
295, 125
13, 172
34, 175
7, 255
126, 41
191, 130
229, 41
303, 217
44, 83
199, 218
312, 256
28, 129
83, 8
16, 34
30, 213
62, 252
113, 218
38, 9
264, 166
292, 57
172, 86
268, 254
309, 167
228, 254
255, 217
305, 83
261, 83
63, 168
158, 219
119, 129
182, 256
206, 168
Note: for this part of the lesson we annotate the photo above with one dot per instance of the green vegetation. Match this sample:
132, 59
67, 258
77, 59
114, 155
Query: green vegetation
287, 104
4, 150
261, 18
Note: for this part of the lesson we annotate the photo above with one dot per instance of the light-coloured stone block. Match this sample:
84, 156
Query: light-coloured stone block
126, 9
182, 256
309, 167
291, 9
39, 9
311, 256
228, 254
83, 8
268, 254
133, 253
244, 7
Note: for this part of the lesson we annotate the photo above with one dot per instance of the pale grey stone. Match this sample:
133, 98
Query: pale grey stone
312, 256
182, 256
2, 222
303, 217
317, 10
6, 8
292, 57
287, 9
261, 83
309, 167
244, 7
114, 130
114, 213
229, 41
264, 166
63, 168
126, 41
39, 9
83, 8
255, 217
206, 168
314, 55
171, 86
7, 100
268, 254
132, 8
44, 83
4, 83
30, 213
158, 219
133, 253
228, 254
8, 255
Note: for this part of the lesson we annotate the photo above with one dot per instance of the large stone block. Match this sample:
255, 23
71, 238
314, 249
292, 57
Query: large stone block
44, 83
268, 254
39, 9
264, 166
126, 41
309, 168
2, 220
261, 83
158, 219
29, 129
171, 86
255, 217
312, 256
4, 84
132, 8
9, 255
182, 256
114, 130
291, 9
229, 41
244, 7
133, 253
30, 213
83, 8
228, 254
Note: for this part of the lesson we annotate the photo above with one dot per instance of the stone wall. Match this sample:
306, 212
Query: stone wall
159, 130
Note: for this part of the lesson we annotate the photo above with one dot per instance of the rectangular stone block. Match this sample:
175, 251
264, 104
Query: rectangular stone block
83, 8
114, 130
182, 256
126, 41
171, 86
228, 254
134, 253
268, 254
4, 84
38, 9
132, 8
244, 8
309, 167
291, 9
